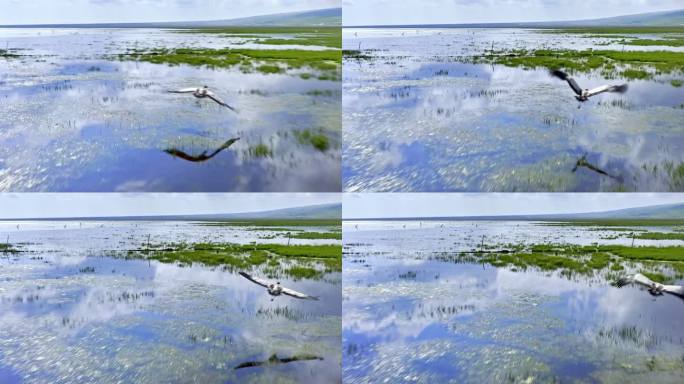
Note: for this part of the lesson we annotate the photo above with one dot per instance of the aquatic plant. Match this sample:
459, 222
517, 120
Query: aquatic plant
7, 248
317, 140
260, 150
612, 64
298, 261
326, 62
317, 235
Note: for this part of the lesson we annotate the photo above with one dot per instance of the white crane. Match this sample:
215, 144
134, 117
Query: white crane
276, 289
654, 288
585, 94
202, 92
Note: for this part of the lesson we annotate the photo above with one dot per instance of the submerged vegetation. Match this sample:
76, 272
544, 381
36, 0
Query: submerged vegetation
326, 63
7, 248
321, 235
316, 139
5, 53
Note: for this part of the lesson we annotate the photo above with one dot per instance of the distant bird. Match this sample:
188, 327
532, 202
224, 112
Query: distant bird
654, 288
203, 92
202, 156
274, 359
276, 289
584, 94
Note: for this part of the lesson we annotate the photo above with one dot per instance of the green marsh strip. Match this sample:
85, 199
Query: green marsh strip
297, 261
667, 263
611, 64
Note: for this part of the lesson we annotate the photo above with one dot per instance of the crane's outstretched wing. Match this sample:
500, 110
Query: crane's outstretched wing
607, 88
298, 295
571, 82
184, 90
218, 100
256, 280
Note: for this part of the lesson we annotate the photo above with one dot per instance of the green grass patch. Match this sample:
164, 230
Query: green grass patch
612, 64
317, 235
304, 273
316, 140
268, 68
660, 236
298, 261
326, 62
676, 83
260, 150
8, 248
571, 259
644, 253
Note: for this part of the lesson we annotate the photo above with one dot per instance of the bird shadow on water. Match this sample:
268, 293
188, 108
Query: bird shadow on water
584, 163
175, 152
275, 360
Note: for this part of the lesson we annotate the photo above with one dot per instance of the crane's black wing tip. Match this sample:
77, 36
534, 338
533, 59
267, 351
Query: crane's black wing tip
620, 88
559, 74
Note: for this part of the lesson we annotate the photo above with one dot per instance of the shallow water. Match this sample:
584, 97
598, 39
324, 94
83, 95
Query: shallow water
71, 312
417, 118
411, 316
73, 119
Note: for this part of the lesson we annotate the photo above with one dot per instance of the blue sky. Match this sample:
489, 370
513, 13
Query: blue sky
37, 205
388, 205
102, 11
376, 12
